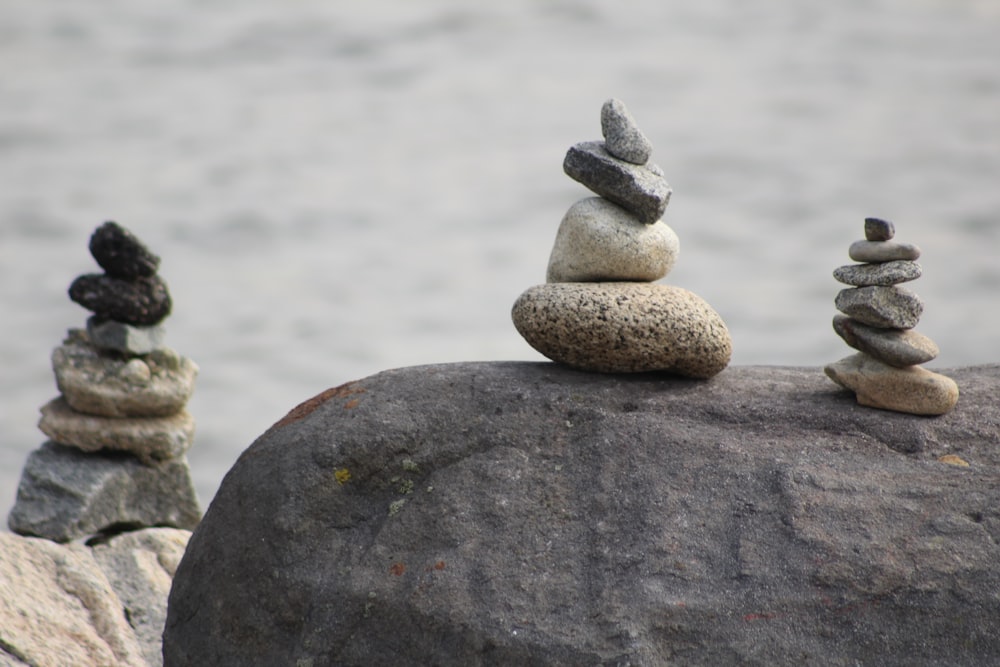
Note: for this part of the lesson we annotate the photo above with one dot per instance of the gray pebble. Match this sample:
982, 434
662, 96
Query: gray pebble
622, 136
884, 307
896, 347
878, 273
640, 189
882, 251
877, 229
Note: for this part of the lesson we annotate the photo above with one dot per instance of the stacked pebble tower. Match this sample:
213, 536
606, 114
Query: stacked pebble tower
119, 430
600, 309
878, 319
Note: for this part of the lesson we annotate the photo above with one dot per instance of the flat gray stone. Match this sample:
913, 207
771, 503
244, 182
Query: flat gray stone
882, 251
879, 273
884, 307
622, 136
520, 513
601, 241
896, 347
125, 338
877, 229
640, 189
624, 327
150, 439
913, 390
158, 384
66, 494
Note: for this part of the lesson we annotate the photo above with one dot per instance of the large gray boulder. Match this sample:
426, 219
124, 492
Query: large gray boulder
528, 514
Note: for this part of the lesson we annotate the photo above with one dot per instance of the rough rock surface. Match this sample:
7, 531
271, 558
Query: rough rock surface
624, 327
529, 514
150, 439
69, 605
121, 254
65, 494
142, 301
884, 307
598, 240
157, 385
622, 136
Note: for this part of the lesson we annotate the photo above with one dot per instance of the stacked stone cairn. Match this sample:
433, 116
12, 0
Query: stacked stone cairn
878, 320
600, 308
119, 431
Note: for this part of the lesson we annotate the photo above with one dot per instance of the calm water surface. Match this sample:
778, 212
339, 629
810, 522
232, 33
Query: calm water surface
340, 188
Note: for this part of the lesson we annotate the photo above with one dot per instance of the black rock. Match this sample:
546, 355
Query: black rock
121, 254
142, 301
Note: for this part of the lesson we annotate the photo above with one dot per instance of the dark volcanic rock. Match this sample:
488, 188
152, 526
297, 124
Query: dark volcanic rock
520, 513
141, 302
121, 254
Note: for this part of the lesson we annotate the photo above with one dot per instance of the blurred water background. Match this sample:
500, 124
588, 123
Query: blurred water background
337, 188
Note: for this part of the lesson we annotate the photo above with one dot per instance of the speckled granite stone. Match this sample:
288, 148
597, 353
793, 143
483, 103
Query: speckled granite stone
624, 327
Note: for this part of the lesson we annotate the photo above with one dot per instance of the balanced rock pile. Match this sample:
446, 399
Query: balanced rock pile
600, 309
878, 319
119, 430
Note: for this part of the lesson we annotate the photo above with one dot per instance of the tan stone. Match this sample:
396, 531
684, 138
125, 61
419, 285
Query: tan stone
913, 389
158, 384
151, 439
601, 241
624, 327
57, 608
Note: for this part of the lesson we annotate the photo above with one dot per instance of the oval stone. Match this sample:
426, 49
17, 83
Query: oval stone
624, 328
882, 251
601, 241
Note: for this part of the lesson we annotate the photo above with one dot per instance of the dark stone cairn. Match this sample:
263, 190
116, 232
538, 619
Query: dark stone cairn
118, 433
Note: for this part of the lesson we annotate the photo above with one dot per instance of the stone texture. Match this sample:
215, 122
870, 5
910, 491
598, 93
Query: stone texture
150, 439
881, 273
63, 605
121, 254
601, 241
125, 338
913, 389
896, 347
57, 608
624, 328
528, 514
140, 567
637, 188
885, 307
882, 251
156, 385
141, 302
877, 229
622, 137
66, 494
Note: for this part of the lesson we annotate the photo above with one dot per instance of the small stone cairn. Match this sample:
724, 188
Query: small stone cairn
119, 430
878, 319
600, 309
